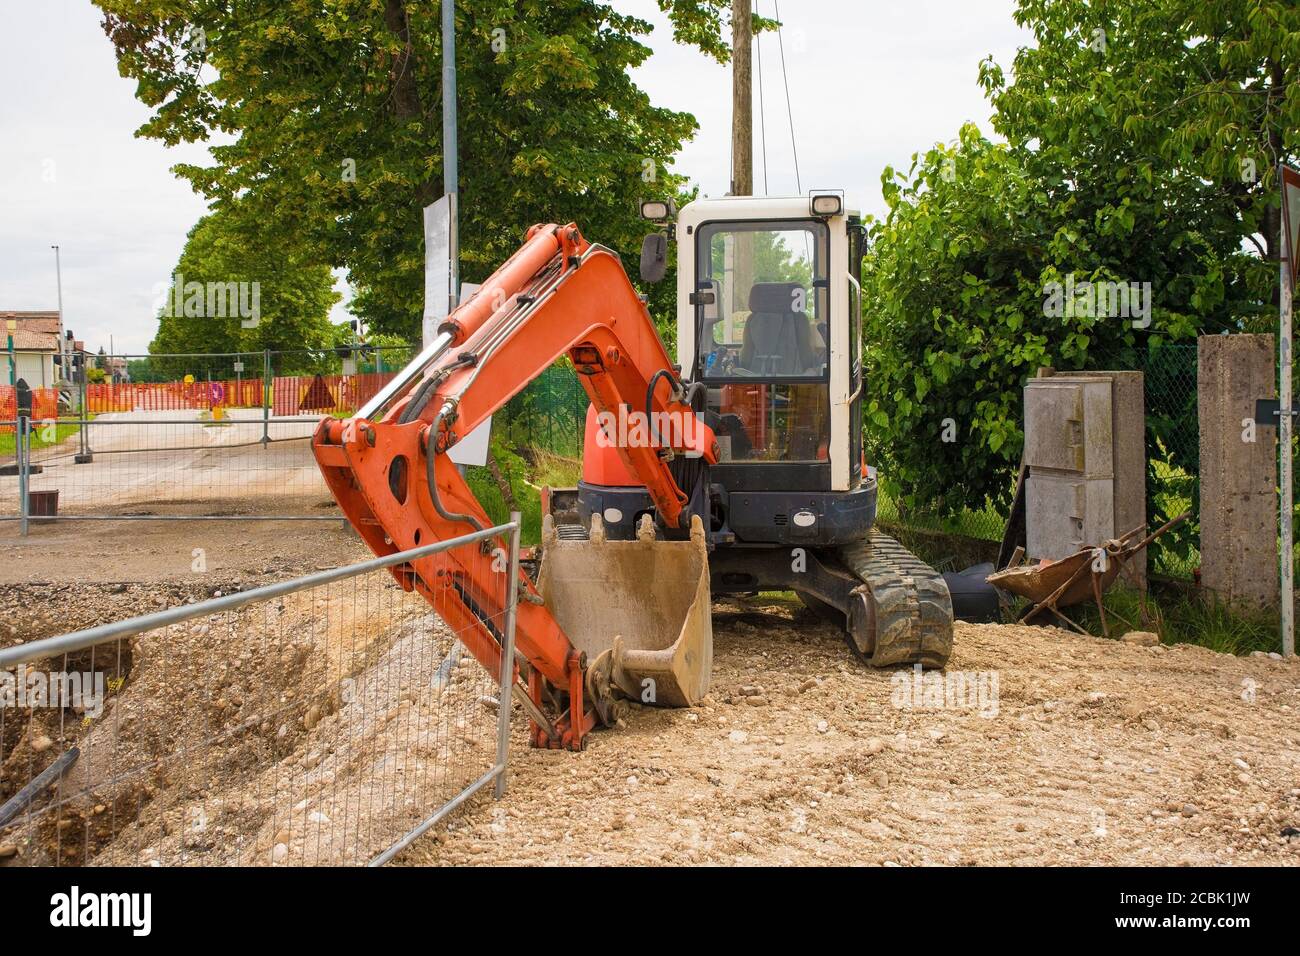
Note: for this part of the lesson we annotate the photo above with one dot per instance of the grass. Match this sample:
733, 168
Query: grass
43, 436
1177, 612
986, 524
545, 469
1180, 616
485, 489
554, 471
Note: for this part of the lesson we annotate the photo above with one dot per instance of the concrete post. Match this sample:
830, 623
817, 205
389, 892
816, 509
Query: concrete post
1239, 519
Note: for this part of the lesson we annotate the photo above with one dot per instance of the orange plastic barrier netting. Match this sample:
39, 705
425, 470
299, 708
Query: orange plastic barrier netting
290, 394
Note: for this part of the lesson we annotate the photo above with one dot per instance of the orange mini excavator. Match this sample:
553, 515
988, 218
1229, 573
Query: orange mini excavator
738, 470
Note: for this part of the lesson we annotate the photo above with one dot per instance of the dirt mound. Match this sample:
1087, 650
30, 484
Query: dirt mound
316, 728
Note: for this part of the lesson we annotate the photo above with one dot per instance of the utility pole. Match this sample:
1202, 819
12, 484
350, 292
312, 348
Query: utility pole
738, 256
450, 164
742, 99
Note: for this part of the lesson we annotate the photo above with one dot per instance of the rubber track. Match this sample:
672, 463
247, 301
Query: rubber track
913, 606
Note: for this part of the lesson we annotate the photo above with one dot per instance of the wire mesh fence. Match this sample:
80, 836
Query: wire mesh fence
325, 720
550, 413
196, 464
207, 439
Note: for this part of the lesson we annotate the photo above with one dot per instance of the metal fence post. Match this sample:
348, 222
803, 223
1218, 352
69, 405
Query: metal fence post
1285, 452
267, 390
22, 444
85, 456
505, 697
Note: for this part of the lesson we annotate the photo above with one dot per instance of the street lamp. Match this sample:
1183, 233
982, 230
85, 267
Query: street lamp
12, 326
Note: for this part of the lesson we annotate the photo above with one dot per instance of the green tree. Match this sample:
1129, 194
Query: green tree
953, 320
1199, 97
336, 125
1128, 128
143, 370
226, 252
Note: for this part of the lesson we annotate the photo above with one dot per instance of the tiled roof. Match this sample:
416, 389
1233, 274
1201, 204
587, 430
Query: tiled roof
47, 322
27, 341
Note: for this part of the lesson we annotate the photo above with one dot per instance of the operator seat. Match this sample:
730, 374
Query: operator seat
778, 340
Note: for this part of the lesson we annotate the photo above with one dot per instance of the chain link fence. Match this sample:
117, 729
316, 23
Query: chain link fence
1173, 466
550, 413
324, 720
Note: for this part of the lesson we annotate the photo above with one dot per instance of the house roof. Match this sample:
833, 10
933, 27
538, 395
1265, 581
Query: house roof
47, 322
28, 341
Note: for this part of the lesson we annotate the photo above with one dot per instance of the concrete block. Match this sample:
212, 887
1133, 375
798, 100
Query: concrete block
1085, 446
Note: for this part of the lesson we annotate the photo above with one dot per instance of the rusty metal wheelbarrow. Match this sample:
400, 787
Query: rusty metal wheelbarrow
1074, 579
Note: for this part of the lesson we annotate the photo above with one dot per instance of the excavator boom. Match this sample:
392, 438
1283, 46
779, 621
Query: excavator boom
388, 468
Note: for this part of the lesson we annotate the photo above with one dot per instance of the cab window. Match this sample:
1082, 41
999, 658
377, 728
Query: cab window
761, 296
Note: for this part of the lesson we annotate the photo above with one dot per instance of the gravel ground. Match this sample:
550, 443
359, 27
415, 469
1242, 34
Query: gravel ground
1056, 749
1099, 753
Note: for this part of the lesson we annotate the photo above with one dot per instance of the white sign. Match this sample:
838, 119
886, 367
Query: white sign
473, 448
439, 221
239, 366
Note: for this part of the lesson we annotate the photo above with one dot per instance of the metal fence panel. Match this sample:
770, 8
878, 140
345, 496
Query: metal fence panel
328, 719
9, 447
134, 465
550, 413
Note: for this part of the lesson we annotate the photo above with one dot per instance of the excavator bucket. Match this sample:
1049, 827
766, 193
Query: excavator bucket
638, 609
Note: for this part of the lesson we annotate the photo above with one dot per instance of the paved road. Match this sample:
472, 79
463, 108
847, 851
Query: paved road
176, 458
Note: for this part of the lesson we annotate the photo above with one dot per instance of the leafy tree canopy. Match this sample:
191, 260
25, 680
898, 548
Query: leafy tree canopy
224, 256
1130, 126
333, 114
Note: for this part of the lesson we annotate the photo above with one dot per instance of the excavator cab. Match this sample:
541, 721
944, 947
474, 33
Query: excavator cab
768, 333
768, 318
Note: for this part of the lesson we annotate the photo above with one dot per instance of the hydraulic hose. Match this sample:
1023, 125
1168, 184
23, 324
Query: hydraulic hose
649, 400
431, 449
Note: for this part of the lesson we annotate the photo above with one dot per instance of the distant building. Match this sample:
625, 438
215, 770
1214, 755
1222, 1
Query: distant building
39, 342
36, 343
116, 367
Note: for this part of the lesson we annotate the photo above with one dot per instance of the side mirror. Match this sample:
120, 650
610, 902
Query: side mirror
654, 257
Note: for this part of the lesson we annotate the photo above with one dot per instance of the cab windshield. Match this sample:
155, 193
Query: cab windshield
761, 306
761, 296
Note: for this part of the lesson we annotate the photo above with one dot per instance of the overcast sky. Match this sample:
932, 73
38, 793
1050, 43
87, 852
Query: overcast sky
871, 82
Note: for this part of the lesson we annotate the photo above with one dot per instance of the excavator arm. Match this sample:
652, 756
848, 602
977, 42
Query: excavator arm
389, 469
